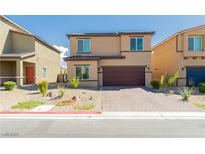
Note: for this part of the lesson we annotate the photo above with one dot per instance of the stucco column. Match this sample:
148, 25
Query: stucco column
19, 72
148, 76
35, 75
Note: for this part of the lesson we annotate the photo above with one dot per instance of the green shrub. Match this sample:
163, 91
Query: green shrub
155, 84
74, 82
185, 93
172, 79
202, 87
61, 91
27, 105
43, 87
9, 85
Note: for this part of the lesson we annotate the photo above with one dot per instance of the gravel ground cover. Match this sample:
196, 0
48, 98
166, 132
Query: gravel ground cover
109, 99
84, 97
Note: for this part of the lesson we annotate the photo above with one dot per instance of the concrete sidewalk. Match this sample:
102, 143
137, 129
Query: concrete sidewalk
110, 115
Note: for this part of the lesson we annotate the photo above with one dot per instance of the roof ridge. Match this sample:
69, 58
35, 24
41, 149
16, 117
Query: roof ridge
15, 24
177, 33
29, 33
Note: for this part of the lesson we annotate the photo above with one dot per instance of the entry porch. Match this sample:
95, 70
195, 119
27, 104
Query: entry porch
17, 70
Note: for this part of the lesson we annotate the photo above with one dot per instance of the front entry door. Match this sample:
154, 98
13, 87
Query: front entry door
30, 75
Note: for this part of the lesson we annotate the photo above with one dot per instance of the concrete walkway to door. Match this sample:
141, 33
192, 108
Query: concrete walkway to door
122, 99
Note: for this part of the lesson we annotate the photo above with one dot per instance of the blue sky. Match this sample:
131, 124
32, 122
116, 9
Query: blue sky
53, 29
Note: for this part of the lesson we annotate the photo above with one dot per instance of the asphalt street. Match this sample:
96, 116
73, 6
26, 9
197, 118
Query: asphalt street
101, 128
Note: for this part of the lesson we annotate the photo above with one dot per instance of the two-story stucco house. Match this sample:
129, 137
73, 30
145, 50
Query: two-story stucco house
110, 59
24, 57
183, 52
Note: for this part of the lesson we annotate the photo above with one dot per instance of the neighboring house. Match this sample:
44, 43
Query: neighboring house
24, 57
183, 52
110, 59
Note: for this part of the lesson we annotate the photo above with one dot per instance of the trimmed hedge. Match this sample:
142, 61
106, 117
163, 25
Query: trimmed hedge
74, 82
9, 85
43, 87
155, 84
202, 87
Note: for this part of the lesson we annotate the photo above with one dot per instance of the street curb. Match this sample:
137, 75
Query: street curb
106, 115
48, 113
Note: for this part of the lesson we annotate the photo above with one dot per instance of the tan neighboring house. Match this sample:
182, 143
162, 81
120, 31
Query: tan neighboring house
24, 57
183, 52
110, 59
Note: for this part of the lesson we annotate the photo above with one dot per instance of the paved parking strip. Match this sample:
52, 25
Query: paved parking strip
142, 100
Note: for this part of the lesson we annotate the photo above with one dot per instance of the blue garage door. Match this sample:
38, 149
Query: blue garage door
195, 75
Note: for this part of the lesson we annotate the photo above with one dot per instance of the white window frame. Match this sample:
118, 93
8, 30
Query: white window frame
82, 71
194, 36
83, 44
45, 73
136, 43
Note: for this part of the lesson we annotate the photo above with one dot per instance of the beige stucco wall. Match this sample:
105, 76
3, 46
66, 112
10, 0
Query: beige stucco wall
112, 46
22, 43
48, 58
6, 42
109, 45
165, 59
5, 39
105, 45
132, 59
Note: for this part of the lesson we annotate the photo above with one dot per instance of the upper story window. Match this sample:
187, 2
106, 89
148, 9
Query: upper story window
136, 43
195, 43
83, 45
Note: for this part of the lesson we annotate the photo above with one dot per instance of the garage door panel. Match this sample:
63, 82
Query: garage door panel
196, 75
123, 76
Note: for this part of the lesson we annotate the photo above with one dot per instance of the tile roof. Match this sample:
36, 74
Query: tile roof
108, 34
17, 55
79, 57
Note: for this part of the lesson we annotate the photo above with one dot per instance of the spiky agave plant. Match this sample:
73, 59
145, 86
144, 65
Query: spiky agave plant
185, 93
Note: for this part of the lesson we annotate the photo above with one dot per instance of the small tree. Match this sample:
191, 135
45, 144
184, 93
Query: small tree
202, 87
74, 82
161, 83
155, 84
172, 79
61, 91
43, 87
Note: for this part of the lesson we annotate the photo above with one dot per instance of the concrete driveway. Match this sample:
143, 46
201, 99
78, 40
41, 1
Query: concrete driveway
142, 99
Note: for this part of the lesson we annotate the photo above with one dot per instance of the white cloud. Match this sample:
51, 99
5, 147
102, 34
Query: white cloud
64, 53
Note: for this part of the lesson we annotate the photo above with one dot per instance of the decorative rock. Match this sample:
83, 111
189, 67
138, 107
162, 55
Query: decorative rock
49, 94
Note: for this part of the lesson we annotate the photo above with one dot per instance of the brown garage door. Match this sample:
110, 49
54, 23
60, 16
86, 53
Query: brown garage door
123, 76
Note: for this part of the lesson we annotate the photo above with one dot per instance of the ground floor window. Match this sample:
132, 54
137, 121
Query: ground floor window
82, 72
44, 72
